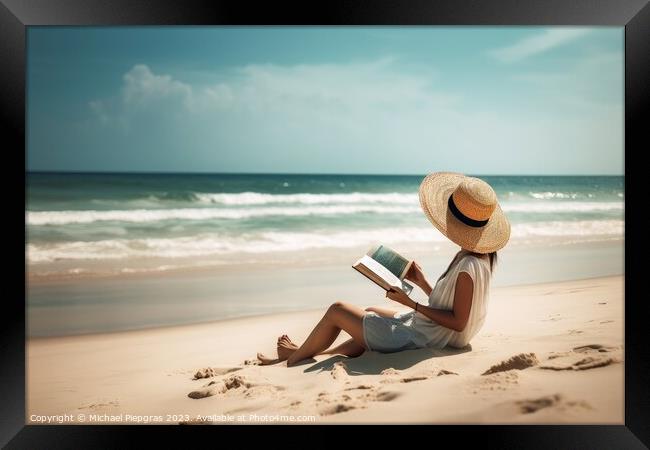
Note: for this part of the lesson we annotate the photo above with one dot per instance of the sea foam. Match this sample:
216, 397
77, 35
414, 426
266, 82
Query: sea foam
279, 241
207, 213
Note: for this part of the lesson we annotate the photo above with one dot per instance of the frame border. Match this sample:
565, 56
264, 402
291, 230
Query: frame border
634, 15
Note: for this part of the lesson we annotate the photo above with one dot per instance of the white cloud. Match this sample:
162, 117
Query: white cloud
142, 93
364, 88
539, 43
141, 86
330, 117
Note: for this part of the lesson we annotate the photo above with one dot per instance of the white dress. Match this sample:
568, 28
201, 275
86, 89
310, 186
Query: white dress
414, 330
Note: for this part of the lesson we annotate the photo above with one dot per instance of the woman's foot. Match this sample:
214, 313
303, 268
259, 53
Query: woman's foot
285, 347
284, 339
265, 360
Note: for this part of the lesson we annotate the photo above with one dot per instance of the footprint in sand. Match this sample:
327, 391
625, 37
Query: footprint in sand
235, 382
263, 390
583, 358
209, 372
220, 387
556, 401
395, 376
499, 381
357, 398
518, 362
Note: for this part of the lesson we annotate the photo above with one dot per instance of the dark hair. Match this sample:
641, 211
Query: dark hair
492, 256
493, 260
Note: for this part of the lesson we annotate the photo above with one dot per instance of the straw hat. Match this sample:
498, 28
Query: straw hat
466, 210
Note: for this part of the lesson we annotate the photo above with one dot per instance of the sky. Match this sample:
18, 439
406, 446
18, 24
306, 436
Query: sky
280, 99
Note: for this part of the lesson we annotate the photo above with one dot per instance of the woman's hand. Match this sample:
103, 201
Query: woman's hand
415, 273
399, 297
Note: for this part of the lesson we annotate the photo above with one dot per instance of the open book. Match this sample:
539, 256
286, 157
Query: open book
386, 268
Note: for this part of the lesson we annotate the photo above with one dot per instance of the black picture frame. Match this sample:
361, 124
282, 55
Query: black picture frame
634, 15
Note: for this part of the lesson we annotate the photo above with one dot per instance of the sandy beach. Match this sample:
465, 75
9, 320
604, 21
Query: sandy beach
548, 353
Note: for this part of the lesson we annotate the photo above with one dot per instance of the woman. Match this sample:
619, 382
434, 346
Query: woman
465, 210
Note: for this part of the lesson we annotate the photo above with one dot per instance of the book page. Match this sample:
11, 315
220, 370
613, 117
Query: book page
381, 271
390, 259
378, 279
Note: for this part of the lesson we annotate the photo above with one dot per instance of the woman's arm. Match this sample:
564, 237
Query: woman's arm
425, 286
457, 318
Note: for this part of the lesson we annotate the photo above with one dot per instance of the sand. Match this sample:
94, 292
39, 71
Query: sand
548, 353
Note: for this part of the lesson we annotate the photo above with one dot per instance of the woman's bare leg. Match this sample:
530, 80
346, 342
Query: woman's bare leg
339, 316
351, 347
348, 348
286, 347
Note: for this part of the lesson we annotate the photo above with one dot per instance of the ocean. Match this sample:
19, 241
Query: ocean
80, 223
111, 252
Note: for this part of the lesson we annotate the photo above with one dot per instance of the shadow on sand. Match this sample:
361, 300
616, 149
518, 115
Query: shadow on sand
373, 363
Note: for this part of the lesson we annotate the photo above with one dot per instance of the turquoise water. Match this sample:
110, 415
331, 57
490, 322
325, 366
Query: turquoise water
82, 218
98, 224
